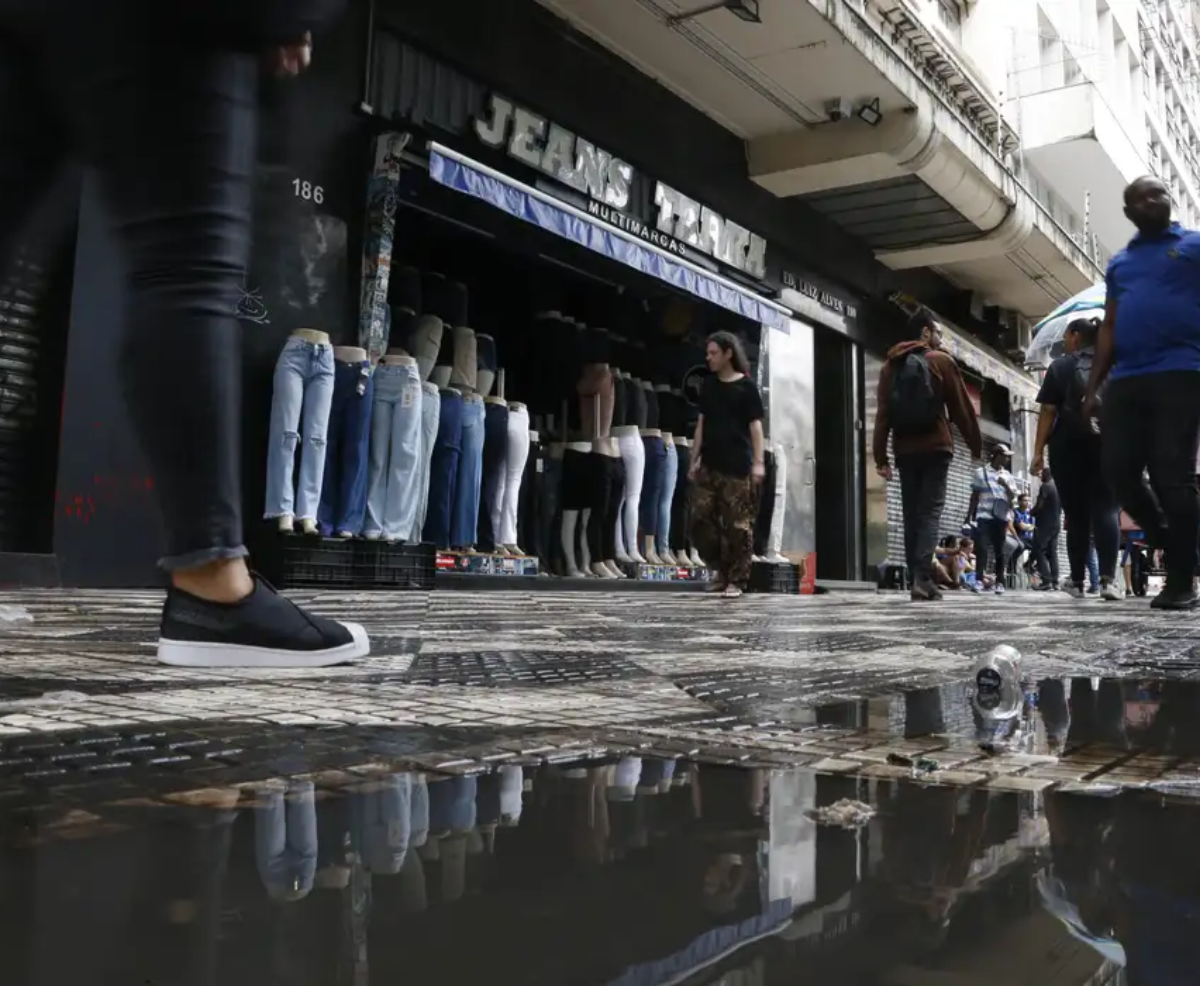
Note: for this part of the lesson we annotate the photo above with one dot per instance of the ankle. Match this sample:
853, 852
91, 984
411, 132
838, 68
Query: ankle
224, 581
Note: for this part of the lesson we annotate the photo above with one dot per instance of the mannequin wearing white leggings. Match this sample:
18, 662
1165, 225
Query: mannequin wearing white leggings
633, 453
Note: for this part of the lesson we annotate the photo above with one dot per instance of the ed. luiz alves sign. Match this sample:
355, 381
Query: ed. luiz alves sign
608, 182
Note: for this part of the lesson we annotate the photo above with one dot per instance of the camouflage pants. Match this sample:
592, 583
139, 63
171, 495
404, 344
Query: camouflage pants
723, 510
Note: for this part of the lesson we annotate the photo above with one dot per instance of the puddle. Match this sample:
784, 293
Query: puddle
636, 872
1147, 716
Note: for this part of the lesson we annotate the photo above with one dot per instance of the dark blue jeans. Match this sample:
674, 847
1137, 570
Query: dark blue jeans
443, 470
652, 480
344, 489
495, 451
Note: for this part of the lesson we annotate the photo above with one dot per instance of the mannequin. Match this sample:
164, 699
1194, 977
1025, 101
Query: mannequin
775, 539
652, 482
511, 479
486, 364
393, 490
576, 477
531, 492
425, 342
495, 454
596, 406
344, 490
300, 407
681, 503
633, 454
464, 530
465, 369
662, 537
443, 468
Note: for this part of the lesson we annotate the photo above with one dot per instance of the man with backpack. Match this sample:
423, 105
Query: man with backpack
1088, 501
920, 393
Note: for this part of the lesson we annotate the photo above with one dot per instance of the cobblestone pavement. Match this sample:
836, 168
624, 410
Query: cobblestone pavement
460, 682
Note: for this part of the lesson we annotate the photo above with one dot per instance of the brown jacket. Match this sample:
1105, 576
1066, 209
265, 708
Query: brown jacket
954, 395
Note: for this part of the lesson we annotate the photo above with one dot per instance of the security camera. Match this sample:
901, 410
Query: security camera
838, 109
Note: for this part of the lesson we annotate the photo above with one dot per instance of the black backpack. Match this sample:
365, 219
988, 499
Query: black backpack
1072, 409
914, 405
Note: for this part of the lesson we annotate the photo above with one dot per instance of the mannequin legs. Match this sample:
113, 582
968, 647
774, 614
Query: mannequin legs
656, 464
633, 455
431, 413
775, 541
670, 478
505, 514
495, 451
465, 520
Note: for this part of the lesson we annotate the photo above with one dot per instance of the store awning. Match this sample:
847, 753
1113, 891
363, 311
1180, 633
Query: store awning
461, 173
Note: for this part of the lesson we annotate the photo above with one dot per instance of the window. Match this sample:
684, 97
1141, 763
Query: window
950, 14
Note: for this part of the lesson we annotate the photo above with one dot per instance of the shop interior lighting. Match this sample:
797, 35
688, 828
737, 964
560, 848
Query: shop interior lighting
743, 10
870, 113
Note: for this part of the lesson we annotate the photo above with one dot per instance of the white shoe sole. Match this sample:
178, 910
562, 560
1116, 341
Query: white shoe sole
190, 654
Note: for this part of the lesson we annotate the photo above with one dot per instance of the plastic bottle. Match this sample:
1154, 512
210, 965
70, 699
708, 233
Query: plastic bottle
998, 693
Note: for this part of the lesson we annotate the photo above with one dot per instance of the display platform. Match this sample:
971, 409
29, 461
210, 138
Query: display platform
503, 566
645, 572
305, 561
766, 576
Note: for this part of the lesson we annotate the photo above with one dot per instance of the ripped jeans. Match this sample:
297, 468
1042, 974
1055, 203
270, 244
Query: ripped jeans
299, 417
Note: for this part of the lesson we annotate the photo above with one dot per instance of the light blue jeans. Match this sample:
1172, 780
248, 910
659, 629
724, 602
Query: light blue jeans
299, 409
666, 498
386, 822
393, 491
285, 840
464, 522
431, 413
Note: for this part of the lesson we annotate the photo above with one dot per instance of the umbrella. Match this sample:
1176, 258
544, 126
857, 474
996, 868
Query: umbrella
1048, 333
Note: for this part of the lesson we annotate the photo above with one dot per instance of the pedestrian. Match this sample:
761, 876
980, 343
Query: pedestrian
161, 102
1047, 513
727, 464
1024, 529
1148, 354
1075, 449
993, 491
920, 393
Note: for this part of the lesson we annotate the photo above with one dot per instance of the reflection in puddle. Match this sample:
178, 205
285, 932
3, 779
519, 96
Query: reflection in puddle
633, 871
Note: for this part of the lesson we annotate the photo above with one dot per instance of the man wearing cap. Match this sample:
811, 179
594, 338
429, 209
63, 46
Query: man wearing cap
993, 492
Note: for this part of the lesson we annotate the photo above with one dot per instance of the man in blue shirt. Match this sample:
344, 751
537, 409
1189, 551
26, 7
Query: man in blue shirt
1148, 350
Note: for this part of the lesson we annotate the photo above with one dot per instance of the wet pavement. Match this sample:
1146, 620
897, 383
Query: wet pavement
561, 789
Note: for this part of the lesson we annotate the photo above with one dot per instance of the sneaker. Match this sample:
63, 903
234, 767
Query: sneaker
1172, 600
999, 590
731, 592
924, 590
1110, 591
1074, 590
264, 630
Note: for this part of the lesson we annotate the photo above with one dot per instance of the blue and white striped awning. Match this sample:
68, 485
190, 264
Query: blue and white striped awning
461, 173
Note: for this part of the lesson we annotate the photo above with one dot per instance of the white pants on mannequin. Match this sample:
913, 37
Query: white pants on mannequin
775, 539
633, 454
508, 488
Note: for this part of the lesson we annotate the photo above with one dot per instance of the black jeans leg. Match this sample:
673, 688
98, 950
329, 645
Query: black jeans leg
923, 492
990, 548
1045, 552
171, 131
1126, 428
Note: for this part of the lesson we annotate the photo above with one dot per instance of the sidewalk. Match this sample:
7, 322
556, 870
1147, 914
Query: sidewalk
462, 681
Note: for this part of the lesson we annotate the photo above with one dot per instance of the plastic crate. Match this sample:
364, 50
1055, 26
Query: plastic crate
770, 577
305, 562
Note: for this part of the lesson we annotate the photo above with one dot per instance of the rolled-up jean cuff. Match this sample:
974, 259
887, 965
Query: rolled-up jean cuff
194, 559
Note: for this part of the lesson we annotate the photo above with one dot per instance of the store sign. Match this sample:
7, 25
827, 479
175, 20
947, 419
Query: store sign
827, 300
679, 222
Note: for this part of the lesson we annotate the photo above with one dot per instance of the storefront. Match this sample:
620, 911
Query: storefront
520, 222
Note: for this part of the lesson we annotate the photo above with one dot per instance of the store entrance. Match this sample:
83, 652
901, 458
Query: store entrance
839, 453
576, 382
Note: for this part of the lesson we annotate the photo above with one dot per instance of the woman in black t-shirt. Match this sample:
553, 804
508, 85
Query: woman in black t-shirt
1088, 501
727, 464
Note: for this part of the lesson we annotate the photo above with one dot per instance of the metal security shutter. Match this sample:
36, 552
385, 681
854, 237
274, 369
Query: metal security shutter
958, 495
22, 291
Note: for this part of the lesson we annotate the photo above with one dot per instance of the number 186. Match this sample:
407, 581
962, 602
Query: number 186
308, 191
